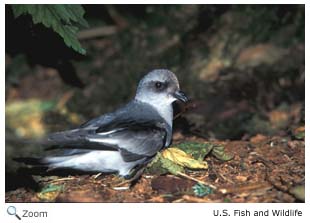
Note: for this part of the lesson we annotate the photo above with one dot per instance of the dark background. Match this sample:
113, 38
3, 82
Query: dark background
241, 65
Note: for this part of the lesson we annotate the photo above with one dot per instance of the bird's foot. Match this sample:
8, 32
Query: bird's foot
124, 183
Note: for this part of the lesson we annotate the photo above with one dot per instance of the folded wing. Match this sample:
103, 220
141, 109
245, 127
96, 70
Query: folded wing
136, 131
134, 139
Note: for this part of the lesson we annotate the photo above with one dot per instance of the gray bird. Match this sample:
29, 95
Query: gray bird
126, 140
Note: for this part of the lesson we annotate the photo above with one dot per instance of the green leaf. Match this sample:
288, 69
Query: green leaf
188, 155
200, 150
201, 190
63, 19
156, 166
161, 165
172, 167
17, 10
51, 188
298, 192
197, 150
219, 152
50, 192
299, 133
226, 200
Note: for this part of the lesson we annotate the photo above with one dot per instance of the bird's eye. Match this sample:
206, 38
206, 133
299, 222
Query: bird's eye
158, 85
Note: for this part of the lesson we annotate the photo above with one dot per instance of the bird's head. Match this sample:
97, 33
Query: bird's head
159, 88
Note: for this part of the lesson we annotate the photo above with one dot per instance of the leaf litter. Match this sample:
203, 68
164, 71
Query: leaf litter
270, 170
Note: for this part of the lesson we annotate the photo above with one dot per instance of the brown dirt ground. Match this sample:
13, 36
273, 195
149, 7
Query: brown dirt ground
264, 169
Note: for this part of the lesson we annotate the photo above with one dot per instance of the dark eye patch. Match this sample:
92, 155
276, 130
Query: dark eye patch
159, 86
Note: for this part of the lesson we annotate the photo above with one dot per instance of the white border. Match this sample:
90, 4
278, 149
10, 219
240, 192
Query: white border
132, 212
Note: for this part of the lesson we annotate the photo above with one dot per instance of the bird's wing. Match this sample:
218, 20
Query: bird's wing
133, 140
136, 130
77, 138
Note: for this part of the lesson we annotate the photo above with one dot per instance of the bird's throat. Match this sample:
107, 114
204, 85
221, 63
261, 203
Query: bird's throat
163, 106
166, 112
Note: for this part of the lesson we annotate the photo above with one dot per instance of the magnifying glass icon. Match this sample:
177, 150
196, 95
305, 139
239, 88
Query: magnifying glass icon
12, 211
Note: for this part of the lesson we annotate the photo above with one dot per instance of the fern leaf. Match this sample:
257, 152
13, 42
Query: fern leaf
63, 19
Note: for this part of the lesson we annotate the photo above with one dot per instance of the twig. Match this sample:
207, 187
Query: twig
121, 24
189, 198
64, 99
197, 180
225, 178
96, 176
118, 19
97, 32
249, 187
167, 45
62, 179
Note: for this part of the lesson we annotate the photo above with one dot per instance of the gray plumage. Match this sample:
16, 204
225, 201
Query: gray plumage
126, 139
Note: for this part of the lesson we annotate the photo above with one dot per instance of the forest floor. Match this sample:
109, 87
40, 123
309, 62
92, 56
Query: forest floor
264, 169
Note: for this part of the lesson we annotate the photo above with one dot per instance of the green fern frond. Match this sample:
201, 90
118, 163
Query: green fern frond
63, 19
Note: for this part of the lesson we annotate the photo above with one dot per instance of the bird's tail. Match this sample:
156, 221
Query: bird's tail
51, 162
30, 161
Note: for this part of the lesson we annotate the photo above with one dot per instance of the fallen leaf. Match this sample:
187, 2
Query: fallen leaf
299, 133
219, 153
195, 149
183, 159
298, 192
50, 192
201, 190
186, 155
160, 165
258, 138
171, 166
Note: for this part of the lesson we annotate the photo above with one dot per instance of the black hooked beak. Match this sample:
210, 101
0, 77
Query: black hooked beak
180, 95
